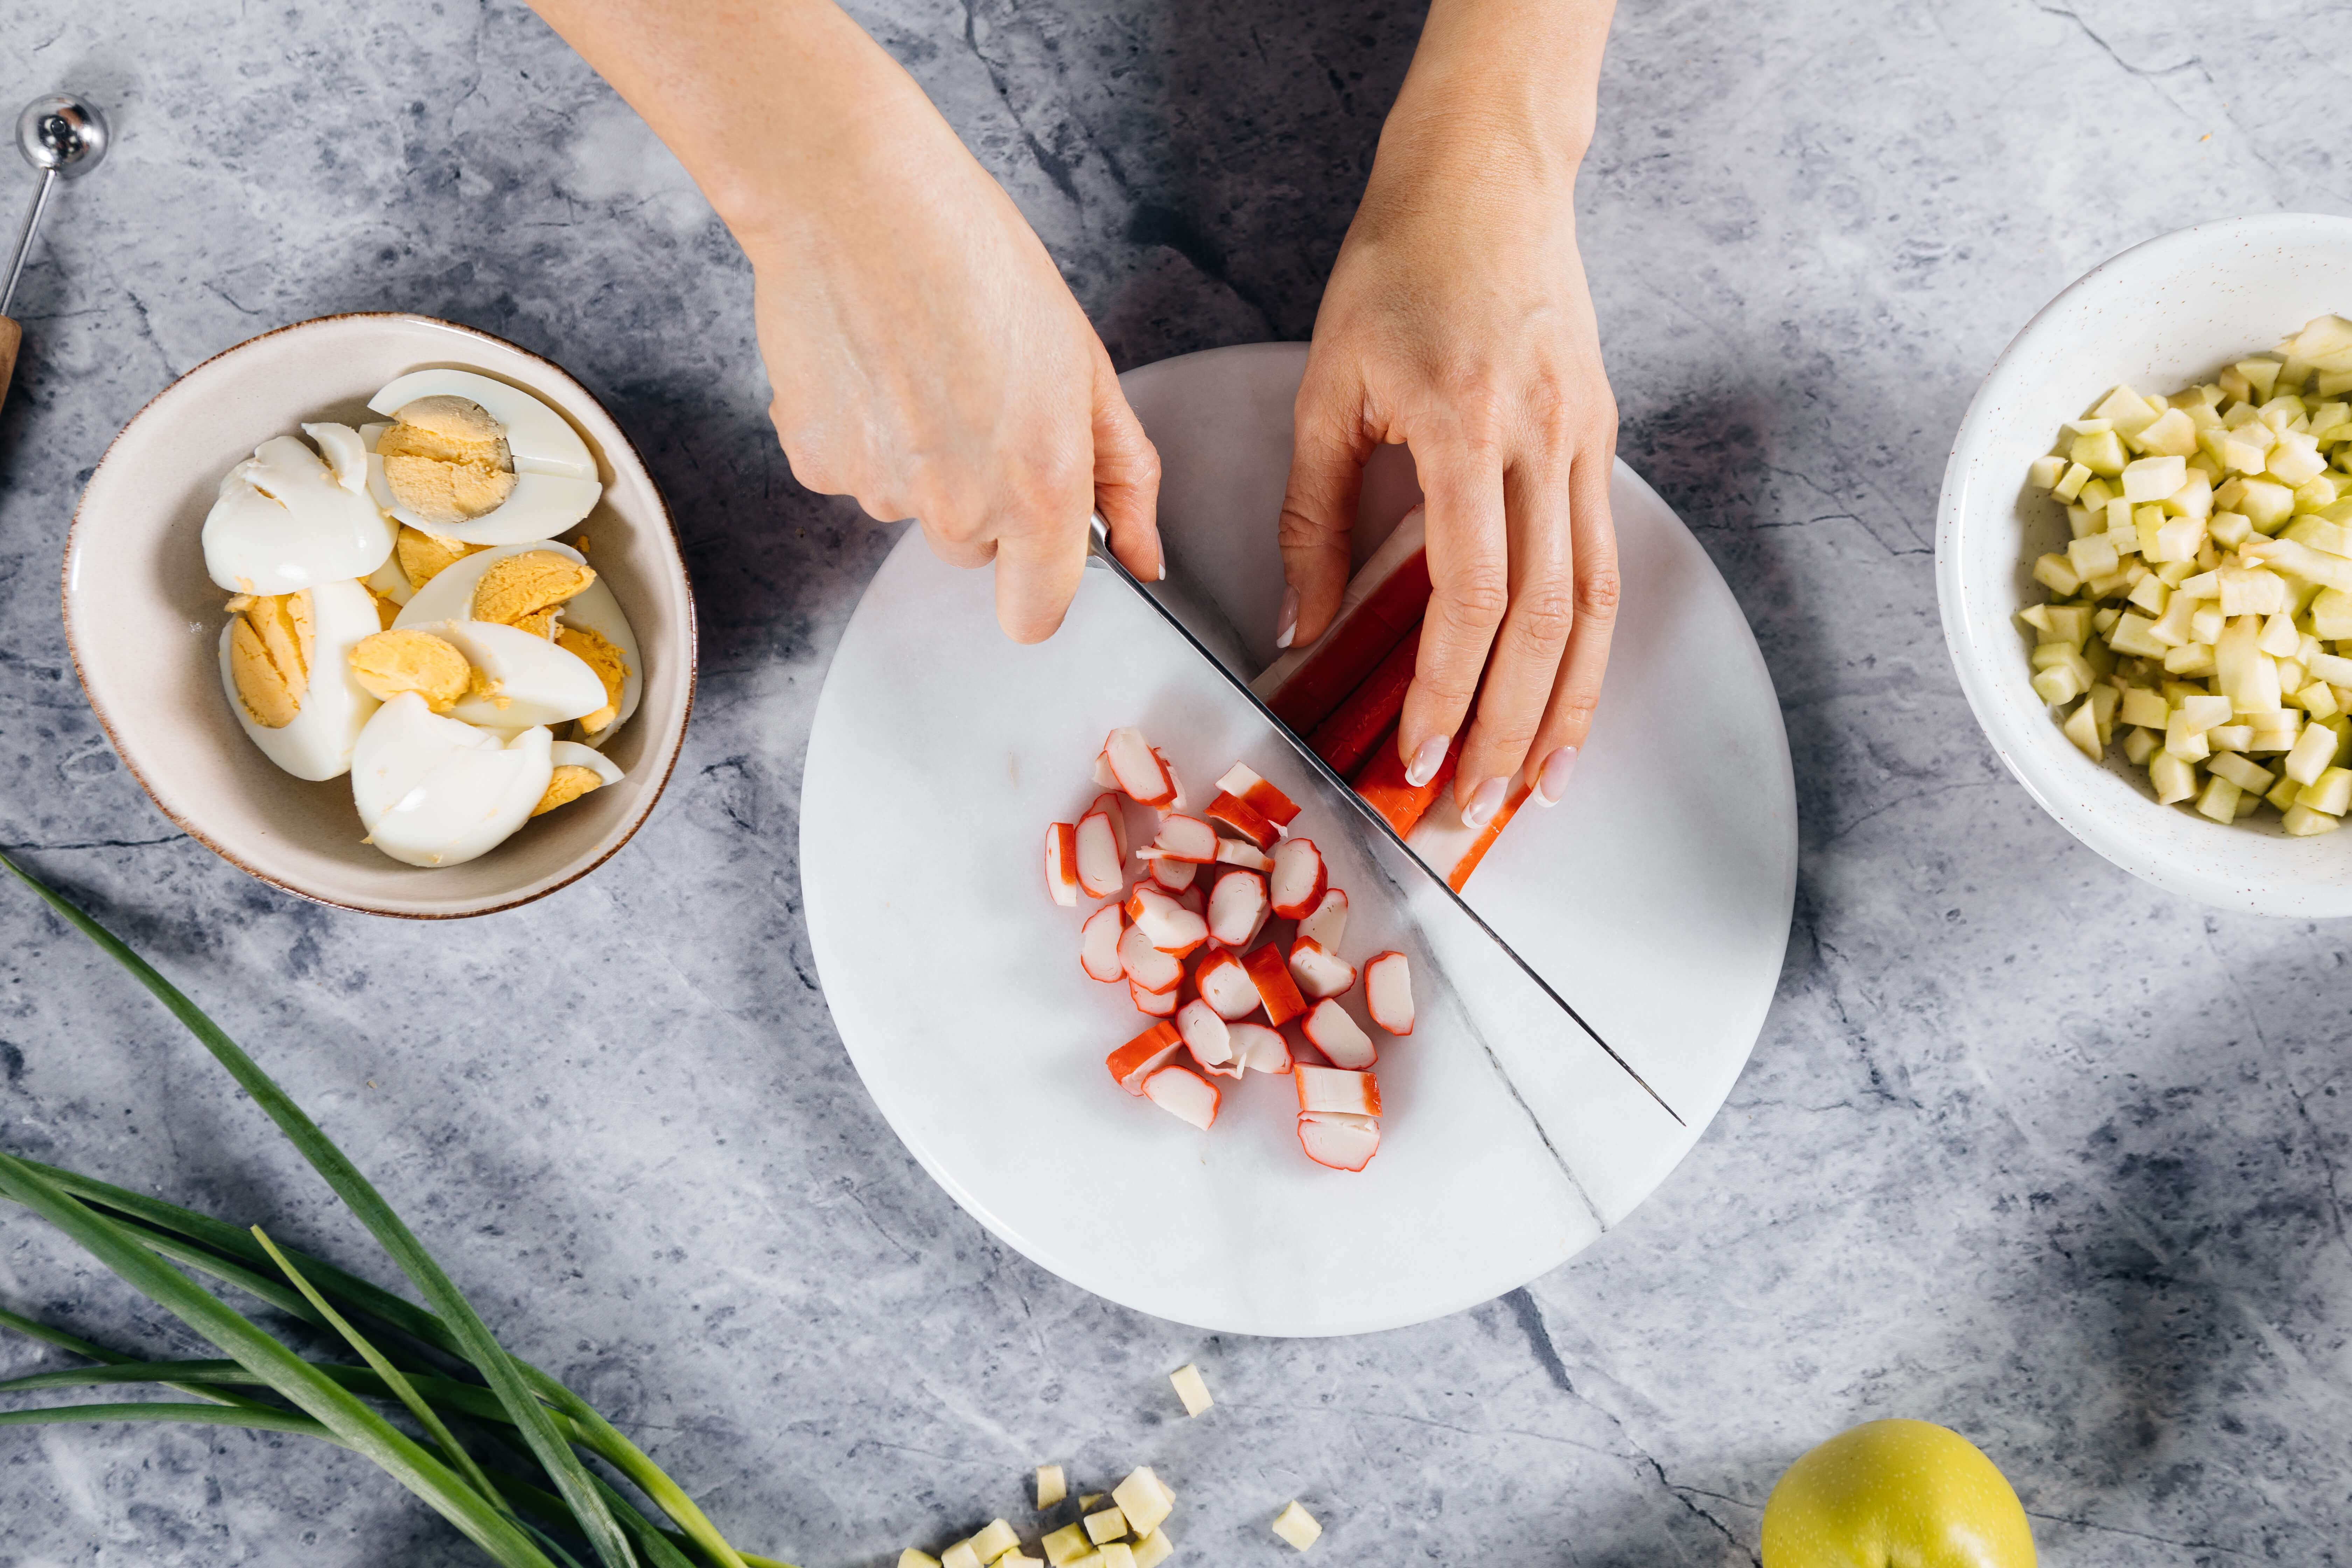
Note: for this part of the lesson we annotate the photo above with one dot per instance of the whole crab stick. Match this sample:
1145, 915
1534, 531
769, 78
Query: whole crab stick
1381, 602
1382, 783
1349, 735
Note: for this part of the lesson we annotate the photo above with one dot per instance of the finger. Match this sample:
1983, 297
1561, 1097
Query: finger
1469, 589
1039, 560
1525, 665
1127, 478
965, 552
1328, 444
1560, 738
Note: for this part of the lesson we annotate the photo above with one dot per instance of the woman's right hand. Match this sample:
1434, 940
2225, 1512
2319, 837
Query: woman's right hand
926, 358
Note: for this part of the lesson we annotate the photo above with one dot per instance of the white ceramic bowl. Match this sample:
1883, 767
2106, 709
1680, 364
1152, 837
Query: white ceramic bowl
2159, 316
142, 620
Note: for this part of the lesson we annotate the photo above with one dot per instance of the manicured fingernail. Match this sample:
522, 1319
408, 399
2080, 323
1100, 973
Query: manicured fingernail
1552, 783
1425, 761
1164, 569
1485, 801
1286, 621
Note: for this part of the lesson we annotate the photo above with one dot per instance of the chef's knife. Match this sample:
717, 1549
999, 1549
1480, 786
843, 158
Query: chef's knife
1375, 832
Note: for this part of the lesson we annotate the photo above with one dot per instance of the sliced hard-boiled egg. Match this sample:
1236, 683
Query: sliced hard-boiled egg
449, 595
389, 580
519, 679
283, 522
434, 791
542, 440
578, 769
329, 707
537, 505
345, 453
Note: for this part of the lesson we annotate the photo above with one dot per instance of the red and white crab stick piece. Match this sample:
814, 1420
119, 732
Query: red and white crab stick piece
1152, 1004
1327, 923
1171, 927
1172, 876
1337, 1089
1146, 965
1183, 837
1388, 992
1298, 882
1338, 1140
1098, 943
1227, 987
1320, 973
1062, 863
1237, 909
1242, 818
1243, 853
1381, 603
1275, 989
1451, 847
1355, 726
1139, 768
1243, 783
1143, 1056
1206, 1034
1339, 1037
1259, 1048
1102, 870
1184, 1094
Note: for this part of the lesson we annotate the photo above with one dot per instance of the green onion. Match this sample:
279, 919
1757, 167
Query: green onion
140, 1237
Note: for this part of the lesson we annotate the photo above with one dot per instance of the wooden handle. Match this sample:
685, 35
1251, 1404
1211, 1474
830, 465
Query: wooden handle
11, 334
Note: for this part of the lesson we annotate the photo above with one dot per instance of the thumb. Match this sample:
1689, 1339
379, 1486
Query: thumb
1329, 446
1127, 478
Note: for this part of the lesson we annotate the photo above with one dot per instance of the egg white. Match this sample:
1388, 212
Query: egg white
283, 522
573, 754
435, 791
319, 743
532, 681
540, 440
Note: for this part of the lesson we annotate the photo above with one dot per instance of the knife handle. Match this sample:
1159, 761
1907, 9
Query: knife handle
11, 334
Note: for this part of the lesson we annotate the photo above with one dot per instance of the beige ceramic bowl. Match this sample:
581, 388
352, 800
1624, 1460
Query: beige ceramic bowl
142, 620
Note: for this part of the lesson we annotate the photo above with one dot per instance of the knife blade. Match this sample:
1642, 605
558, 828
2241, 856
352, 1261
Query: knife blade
1375, 831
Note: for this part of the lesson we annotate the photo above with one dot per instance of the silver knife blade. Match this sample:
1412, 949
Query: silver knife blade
1375, 828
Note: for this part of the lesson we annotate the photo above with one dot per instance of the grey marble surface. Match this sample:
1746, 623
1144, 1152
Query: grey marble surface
2026, 1147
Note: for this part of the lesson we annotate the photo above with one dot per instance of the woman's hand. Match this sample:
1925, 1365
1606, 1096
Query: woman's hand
924, 354
1457, 321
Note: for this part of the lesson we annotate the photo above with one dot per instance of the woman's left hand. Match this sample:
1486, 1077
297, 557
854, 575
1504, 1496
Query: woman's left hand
1457, 321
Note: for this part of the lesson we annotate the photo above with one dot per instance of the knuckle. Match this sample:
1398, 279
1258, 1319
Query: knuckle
1597, 591
1479, 596
1295, 530
1574, 711
1541, 616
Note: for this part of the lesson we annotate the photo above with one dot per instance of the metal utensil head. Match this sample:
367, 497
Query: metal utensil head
62, 135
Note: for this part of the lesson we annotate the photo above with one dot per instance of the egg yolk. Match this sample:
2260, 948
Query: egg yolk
527, 589
566, 784
446, 461
269, 654
602, 656
422, 555
391, 662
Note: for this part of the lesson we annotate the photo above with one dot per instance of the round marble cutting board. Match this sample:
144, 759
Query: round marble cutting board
1657, 897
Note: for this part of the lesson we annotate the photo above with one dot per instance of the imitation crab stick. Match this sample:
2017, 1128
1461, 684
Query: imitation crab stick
1349, 735
1183, 1093
1271, 975
1241, 780
1242, 818
1098, 943
1341, 1039
1144, 1055
1062, 863
1227, 987
1337, 1089
1388, 992
1339, 1140
1451, 847
1381, 782
1381, 602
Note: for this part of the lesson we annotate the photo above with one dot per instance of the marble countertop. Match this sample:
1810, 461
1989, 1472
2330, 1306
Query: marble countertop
2027, 1148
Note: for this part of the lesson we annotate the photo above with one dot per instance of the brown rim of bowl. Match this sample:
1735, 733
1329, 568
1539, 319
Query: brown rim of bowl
693, 638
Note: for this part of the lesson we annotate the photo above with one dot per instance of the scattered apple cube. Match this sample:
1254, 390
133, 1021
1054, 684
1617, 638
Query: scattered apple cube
1297, 1527
995, 1541
1118, 1555
910, 1558
1066, 1545
1108, 1524
1153, 1549
1143, 1502
1052, 1487
1190, 1390
961, 1555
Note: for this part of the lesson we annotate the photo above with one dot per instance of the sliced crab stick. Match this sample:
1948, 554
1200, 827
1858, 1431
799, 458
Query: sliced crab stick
1102, 871
1139, 768
1271, 975
1206, 1034
1319, 972
1143, 1054
1388, 992
1381, 782
1098, 943
1249, 856
1062, 863
1355, 727
1242, 818
1237, 908
1186, 838
1259, 1048
1337, 1089
1340, 1037
1184, 1094
1327, 923
1171, 927
1381, 601
1298, 880
1176, 796
1145, 964
1336, 1140
1227, 987
1152, 1004
1241, 782
1172, 876
1452, 847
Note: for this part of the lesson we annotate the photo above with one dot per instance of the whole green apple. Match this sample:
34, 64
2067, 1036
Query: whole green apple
1895, 1494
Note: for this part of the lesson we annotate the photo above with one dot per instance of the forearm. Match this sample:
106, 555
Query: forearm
1521, 75
760, 100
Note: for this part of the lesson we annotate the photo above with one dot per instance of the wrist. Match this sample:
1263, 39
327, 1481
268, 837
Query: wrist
1515, 80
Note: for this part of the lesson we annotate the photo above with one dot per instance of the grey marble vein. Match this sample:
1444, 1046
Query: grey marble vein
2026, 1147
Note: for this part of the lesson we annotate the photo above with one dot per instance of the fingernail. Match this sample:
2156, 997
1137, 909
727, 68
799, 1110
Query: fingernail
1425, 761
1286, 621
1164, 569
1485, 801
1552, 783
